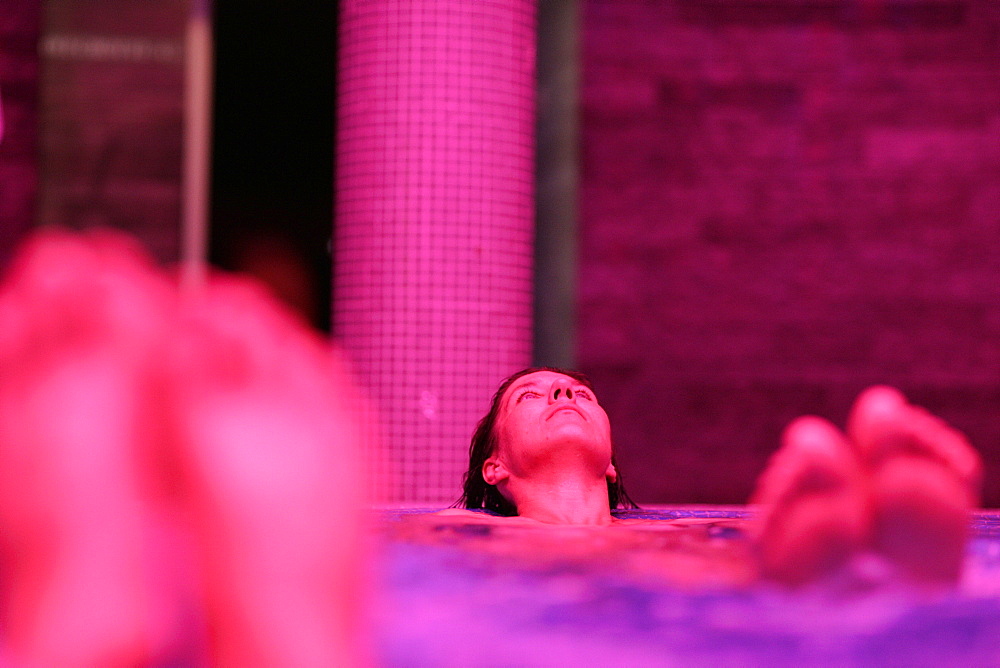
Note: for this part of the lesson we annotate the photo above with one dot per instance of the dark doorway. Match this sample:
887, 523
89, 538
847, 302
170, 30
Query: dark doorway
272, 171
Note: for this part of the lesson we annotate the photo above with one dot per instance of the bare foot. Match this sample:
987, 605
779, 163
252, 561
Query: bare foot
813, 512
925, 479
116, 415
79, 317
266, 455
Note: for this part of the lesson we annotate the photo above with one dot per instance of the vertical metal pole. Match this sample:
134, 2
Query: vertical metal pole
198, 68
556, 178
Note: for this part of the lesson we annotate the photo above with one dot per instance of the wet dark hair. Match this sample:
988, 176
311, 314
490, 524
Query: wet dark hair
477, 494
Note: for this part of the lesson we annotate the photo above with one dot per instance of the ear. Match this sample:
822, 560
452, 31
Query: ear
494, 471
611, 474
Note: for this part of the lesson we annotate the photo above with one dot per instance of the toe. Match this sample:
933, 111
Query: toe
873, 412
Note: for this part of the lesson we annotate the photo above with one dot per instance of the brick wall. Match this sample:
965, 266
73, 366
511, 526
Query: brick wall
782, 202
19, 29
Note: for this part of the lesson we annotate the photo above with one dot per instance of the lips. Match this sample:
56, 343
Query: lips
567, 407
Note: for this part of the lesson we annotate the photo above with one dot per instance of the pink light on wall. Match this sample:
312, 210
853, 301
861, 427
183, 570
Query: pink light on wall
434, 218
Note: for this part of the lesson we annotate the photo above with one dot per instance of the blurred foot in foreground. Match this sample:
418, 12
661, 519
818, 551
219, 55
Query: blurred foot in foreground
900, 485
127, 415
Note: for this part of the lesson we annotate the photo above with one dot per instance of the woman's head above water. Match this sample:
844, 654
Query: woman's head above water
545, 430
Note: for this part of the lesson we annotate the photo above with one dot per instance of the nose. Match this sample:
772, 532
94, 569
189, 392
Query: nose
561, 390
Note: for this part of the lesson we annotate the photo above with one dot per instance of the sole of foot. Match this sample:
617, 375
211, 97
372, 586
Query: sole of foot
925, 479
813, 508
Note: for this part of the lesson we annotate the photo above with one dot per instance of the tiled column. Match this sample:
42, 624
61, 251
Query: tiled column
434, 219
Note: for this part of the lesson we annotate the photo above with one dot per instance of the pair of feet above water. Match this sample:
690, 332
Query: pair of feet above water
896, 487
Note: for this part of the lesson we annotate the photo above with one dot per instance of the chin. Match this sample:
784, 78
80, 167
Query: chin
570, 445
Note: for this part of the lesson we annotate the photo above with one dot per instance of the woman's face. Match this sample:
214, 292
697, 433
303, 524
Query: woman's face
545, 412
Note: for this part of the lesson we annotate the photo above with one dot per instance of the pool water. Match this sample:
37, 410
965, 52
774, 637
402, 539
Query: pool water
469, 594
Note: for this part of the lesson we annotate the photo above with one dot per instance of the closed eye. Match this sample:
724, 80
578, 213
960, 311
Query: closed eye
530, 394
585, 394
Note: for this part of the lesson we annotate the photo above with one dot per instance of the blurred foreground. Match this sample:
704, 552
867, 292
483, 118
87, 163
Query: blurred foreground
179, 475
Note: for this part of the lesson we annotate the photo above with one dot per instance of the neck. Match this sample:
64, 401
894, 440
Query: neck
567, 499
